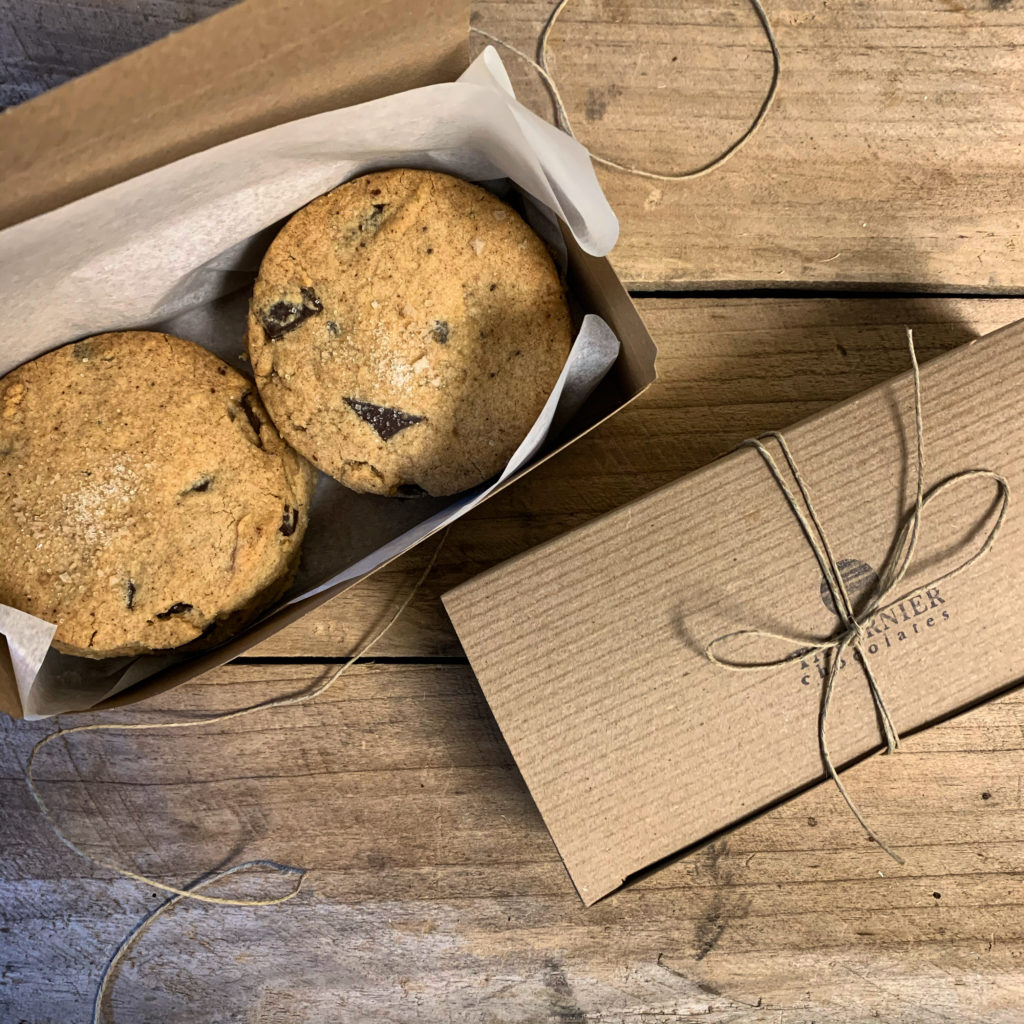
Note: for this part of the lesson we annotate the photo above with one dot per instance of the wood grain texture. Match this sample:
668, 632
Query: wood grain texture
891, 156
438, 896
728, 369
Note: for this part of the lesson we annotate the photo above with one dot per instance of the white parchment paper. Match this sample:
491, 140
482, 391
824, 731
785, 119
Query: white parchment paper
178, 247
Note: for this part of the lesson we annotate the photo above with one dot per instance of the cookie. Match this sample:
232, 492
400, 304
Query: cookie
405, 332
149, 502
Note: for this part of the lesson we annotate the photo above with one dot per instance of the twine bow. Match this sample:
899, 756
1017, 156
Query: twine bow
850, 633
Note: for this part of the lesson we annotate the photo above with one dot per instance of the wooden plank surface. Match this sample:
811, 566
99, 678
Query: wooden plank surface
44, 43
892, 157
437, 894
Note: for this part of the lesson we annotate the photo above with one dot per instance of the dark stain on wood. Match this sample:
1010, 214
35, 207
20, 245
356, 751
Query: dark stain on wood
563, 1001
596, 104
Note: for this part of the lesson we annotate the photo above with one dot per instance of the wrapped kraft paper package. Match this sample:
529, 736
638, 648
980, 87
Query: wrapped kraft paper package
177, 247
591, 649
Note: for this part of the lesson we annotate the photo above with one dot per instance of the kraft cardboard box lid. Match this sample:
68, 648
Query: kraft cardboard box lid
591, 648
254, 65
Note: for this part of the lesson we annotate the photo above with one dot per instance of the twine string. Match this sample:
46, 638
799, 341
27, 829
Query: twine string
192, 892
850, 634
540, 65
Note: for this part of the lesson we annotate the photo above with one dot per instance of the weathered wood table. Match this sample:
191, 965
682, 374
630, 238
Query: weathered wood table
884, 190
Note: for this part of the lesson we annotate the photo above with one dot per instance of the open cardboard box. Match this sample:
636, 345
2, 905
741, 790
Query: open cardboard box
254, 66
591, 649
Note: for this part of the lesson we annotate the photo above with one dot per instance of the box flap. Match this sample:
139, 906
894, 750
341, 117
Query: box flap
254, 65
590, 649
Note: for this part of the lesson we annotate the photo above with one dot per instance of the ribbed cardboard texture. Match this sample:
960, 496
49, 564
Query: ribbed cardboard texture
590, 648
261, 63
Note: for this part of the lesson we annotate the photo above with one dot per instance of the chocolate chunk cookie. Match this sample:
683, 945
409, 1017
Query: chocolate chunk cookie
405, 332
148, 502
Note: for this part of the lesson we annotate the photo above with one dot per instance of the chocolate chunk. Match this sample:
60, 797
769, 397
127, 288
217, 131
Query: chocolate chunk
387, 422
493, 287
333, 329
371, 221
129, 595
441, 330
200, 486
289, 521
246, 403
175, 609
283, 317
411, 491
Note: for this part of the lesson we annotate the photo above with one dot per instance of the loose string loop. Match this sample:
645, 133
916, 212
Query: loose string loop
850, 633
540, 65
189, 893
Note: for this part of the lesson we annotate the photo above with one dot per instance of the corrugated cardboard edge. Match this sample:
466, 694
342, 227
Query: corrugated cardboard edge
474, 591
258, 64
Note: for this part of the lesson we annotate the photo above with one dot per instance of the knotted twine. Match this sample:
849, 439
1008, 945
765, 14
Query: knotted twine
192, 892
540, 65
849, 635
